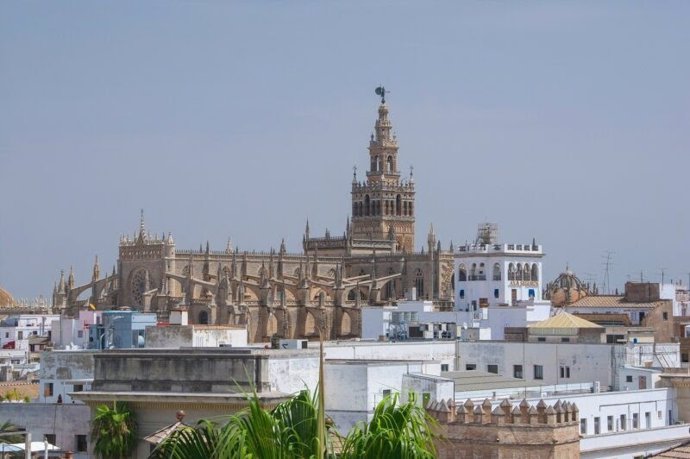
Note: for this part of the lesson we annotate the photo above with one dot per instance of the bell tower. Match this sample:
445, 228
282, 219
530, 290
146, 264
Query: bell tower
383, 205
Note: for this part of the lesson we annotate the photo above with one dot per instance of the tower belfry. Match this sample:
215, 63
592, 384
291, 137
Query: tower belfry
384, 204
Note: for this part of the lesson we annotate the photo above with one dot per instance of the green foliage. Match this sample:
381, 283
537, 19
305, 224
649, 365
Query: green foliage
13, 395
292, 431
114, 431
8, 427
289, 431
396, 430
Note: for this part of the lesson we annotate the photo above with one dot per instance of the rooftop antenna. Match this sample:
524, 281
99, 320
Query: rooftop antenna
608, 262
663, 275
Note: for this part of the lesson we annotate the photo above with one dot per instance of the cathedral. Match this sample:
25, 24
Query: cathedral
291, 295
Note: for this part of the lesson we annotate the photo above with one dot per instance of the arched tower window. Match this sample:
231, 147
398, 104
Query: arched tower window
527, 272
419, 283
535, 272
519, 273
361, 209
389, 165
462, 273
410, 209
367, 205
473, 271
378, 164
511, 271
398, 205
385, 208
497, 272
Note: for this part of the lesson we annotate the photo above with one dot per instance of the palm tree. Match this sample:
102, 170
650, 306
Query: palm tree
396, 430
8, 428
114, 430
289, 431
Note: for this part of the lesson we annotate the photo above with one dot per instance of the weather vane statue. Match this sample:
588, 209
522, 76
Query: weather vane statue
381, 91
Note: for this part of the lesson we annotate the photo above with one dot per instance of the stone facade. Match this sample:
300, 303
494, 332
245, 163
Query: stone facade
294, 295
506, 431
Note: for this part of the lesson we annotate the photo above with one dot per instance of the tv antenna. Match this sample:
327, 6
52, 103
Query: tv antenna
608, 262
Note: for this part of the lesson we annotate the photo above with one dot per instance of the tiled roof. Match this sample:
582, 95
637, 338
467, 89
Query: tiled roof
611, 301
679, 452
564, 320
607, 319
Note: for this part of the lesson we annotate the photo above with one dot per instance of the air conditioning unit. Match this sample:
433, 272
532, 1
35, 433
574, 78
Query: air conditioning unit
293, 344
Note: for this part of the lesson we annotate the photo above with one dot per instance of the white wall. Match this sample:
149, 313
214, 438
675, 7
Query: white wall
441, 351
586, 362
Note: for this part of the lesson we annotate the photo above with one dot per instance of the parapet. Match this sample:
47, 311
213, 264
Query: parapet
541, 414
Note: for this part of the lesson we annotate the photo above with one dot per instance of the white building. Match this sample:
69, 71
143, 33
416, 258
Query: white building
74, 333
63, 373
355, 387
16, 330
409, 320
492, 278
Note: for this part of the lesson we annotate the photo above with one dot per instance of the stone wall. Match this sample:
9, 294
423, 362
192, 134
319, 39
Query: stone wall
506, 431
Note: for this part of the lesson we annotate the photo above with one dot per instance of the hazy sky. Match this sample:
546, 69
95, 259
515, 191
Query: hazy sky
564, 121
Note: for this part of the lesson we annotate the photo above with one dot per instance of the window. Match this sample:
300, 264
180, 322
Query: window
444, 367
496, 293
386, 392
517, 371
80, 334
565, 340
583, 426
538, 372
565, 372
50, 438
78, 387
7, 334
624, 422
48, 389
81, 445
471, 366
665, 315
492, 369
648, 420
531, 293
462, 294
541, 339
597, 426
629, 378
636, 421
20, 335
609, 423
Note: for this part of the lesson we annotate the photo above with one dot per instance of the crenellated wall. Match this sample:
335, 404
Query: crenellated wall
506, 430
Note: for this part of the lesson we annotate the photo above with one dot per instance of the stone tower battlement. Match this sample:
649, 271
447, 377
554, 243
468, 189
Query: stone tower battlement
506, 430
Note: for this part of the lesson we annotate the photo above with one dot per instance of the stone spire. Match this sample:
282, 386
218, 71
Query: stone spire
96, 270
61, 283
70, 279
431, 238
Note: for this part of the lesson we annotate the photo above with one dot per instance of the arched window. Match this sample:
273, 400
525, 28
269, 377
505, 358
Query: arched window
511, 271
398, 205
497, 272
367, 205
271, 325
203, 318
419, 283
378, 164
354, 209
535, 272
361, 209
346, 324
473, 272
389, 165
519, 273
410, 209
462, 273
385, 208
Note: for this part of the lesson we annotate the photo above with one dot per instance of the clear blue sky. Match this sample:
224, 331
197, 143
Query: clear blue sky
564, 121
